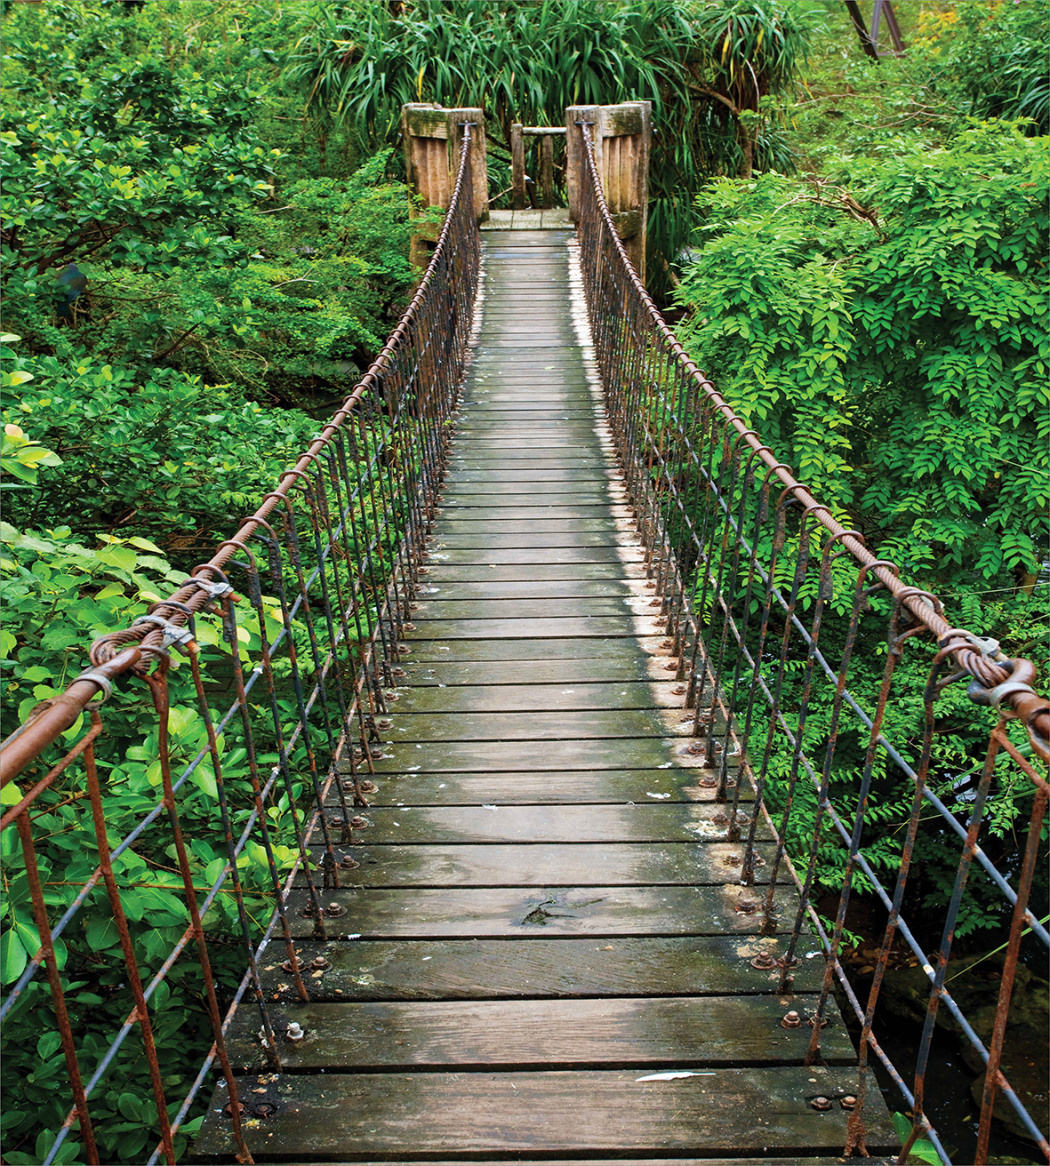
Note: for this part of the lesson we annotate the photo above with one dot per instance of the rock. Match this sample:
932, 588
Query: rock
974, 985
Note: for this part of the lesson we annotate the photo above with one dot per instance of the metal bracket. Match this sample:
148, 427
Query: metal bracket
173, 634
103, 681
214, 590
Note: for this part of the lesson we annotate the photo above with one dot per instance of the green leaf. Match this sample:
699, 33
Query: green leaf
13, 957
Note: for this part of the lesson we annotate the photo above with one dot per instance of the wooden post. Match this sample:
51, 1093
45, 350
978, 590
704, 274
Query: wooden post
574, 151
547, 171
621, 135
517, 168
432, 140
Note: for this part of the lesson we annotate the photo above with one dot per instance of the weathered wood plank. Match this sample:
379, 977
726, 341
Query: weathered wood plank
466, 594
556, 628
642, 1033
562, 787
535, 696
510, 912
523, 607
647, 821
743, 1112
490, 756
440, 864
556, 725
499, 969
524, 647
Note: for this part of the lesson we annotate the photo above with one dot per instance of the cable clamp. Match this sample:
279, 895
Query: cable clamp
173, 634
994, 697
988, 647
103, 681
214, 590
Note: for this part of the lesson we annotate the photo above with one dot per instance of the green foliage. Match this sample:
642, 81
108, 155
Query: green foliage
527, 62
153, 452
56, 594
884, 328
992, 59
922, 1150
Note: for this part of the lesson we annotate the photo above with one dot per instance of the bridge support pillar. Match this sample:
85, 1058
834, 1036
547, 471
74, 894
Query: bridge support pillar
622, 134
432, 140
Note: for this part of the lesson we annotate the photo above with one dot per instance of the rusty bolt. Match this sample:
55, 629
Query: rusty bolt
385, 723
294, 1032
409, 627
333, 910
404, 649
650, 584
369, 787
731, 860
672, 667
763, 962
746, 906
307, 911
792, 1020
358, 822
848, 1102
289, 966
679, 690
319, 963
230, 1106
820, 1103
391, 696
424, 570
264, 1109
708, 781
348, 863
413, 607
398, 672
696, 749
814, 1021
787, 962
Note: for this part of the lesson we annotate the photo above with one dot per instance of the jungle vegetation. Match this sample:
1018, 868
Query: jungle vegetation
205, 238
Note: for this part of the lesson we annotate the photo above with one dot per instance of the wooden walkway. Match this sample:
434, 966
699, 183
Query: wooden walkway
543, 952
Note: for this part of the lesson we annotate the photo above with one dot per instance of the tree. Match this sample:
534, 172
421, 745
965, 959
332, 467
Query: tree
884, 329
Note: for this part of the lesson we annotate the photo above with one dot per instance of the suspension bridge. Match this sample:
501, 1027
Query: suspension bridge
501, 727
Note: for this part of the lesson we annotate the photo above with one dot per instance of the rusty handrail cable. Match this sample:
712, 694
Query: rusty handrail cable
296, 623
765, 592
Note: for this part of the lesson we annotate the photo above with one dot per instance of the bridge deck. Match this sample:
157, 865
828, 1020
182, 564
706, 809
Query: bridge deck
544, 954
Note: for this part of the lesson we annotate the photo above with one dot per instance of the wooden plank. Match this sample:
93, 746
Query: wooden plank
536, 697
438, 612
477, 969
558, 725
647, 821
566, 627
519, 1161
642, 1033
491, 756
540, 527
563, 787
525, 865
474, 571
446, 651
514, 540
510, 912
742, 1112
465, 593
